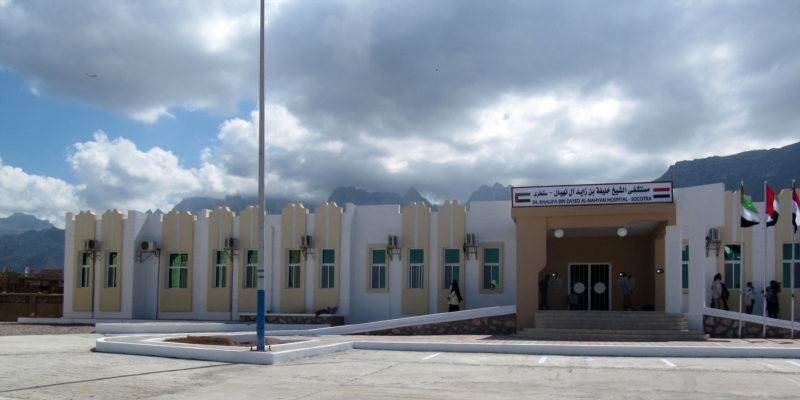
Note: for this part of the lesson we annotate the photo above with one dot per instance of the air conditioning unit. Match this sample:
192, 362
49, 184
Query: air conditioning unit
713, 234
470, 239
91, 245
305, 241
231, 243
147, 246
392, 241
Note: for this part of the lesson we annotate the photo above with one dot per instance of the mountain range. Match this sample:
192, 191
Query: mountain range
19, 223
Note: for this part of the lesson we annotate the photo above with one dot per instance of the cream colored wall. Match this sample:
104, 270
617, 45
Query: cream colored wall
85, 228
220, 226
327, 235
293, 225
416, 235
451, 230
733, 233
177, 236
248, 240
111, 241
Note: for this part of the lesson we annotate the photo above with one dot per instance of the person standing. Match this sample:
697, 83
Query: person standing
749, 298
627, 293
773, 305
725, 295
716, 292
544, 284
454, 298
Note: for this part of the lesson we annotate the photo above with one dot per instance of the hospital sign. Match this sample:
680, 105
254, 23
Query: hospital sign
586, 195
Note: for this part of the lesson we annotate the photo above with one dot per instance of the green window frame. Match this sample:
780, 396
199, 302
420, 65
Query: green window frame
685, 266
452, 267
733, 266
178, 271
491, 268
378, 269
250, 270
293, 270
416, 268
220, 269
788, 260
83, 270
111, 270
327, 269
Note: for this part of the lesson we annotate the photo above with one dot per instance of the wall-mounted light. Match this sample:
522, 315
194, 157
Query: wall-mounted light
659, 271
622, 232
559, 233
621, 274
554, 274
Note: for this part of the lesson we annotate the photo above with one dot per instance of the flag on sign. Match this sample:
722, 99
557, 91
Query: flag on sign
749, 213
773, 207
795, 209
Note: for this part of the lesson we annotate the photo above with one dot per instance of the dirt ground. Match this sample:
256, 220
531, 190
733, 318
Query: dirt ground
217, 341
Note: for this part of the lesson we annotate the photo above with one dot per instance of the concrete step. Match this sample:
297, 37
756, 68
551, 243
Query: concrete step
614, 326
611, 335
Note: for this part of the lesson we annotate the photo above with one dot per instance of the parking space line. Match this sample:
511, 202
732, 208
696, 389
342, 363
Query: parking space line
667, 362
793, 362
541, 360
431, 356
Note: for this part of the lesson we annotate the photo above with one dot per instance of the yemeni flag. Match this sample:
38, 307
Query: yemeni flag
749, 213
795, 209
773, 208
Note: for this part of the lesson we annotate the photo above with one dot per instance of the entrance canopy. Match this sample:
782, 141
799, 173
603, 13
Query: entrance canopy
585, 240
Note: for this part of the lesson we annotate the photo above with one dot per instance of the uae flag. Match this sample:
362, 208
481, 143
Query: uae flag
795, 209
773, 208
749, 213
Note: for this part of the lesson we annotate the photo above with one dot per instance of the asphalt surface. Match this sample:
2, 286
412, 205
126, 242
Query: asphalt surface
14, 329
64, 366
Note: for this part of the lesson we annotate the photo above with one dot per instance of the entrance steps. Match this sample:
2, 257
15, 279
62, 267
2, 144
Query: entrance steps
621, 326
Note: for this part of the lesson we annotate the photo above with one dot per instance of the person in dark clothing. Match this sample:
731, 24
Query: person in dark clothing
725, 296
454, 299
543, 285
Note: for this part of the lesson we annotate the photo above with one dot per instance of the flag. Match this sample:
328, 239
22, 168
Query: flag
773, 208
795, 209
749, 213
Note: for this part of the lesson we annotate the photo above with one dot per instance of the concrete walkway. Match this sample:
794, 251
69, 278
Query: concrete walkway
307, 346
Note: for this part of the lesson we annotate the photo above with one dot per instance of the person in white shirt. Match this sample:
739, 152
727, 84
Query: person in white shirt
716, 291
454, 299
749, 298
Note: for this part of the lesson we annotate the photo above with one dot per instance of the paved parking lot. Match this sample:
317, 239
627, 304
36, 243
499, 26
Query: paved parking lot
64, 366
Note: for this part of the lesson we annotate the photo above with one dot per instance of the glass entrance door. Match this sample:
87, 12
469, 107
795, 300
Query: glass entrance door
589, 287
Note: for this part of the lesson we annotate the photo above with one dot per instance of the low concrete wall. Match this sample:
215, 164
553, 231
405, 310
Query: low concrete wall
14, 305
720, 327
296, 319
494, 325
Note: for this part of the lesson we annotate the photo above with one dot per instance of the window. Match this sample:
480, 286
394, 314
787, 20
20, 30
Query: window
220, 269
787, 263
327, 271
178, 272
685, 266
83, 270
111, 270
733, 264
250, 269
293, 270
491, 268
416, 268
378, 269
452, 271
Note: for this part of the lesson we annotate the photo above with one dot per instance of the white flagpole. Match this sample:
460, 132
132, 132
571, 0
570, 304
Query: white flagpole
765, 260
741, 258
261, 293
791, 257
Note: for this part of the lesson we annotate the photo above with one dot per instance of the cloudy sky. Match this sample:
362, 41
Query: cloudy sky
441, 95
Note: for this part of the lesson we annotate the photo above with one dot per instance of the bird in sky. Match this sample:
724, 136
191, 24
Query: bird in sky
91, 75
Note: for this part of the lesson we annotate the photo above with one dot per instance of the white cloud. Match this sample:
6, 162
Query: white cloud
44, 197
